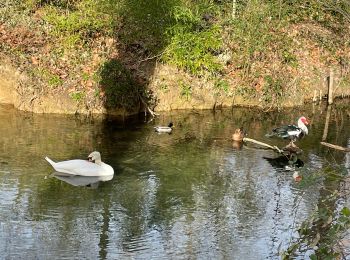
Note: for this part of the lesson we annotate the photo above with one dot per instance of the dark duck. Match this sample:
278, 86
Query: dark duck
292, 132
238, 135
285, 162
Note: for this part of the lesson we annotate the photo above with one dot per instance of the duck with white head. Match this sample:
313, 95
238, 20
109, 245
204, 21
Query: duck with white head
292, 132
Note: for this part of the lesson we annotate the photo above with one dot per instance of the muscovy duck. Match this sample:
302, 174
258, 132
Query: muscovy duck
292, 132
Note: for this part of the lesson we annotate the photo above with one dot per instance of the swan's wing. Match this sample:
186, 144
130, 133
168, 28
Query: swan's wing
79, 167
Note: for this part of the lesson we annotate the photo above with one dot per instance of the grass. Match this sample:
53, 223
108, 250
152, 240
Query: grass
190, 35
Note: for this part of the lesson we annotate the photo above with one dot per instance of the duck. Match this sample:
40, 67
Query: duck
238, 135
91, 167
164, 129
292, 132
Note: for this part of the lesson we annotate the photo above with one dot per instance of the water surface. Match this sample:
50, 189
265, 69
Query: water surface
188, 195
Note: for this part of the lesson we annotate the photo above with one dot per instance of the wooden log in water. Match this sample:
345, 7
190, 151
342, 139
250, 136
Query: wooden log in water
337, 147
275, 148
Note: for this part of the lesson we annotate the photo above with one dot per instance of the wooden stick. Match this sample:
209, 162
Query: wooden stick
275, 148
153, 114
337, 147
330, 86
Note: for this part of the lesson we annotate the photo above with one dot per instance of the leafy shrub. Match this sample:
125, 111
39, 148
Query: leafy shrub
118, 85
193, 43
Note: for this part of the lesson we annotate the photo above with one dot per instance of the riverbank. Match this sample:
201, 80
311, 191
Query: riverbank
129, 58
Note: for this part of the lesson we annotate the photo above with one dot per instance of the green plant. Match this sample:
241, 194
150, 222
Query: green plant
81, 20
77, 96
192, 44
221, 86
186, 91
55, 81
164, 87
245, 91
118, 85
273, 91
289, 58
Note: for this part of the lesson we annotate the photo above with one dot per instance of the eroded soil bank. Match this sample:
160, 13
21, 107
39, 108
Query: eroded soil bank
15, 89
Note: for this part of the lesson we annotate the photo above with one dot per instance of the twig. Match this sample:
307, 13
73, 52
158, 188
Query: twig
337, 147
153, 114
275, 148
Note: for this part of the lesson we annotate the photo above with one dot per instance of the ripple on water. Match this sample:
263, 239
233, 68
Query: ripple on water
188, 195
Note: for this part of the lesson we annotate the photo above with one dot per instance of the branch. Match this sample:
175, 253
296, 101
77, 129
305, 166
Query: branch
275, 148
337, 147
147, 107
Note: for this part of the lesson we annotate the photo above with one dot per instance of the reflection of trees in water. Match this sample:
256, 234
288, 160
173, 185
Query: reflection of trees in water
180, 181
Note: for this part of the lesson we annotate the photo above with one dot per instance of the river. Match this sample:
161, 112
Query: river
187, 195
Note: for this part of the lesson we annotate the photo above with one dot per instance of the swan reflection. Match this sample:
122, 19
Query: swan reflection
89, 181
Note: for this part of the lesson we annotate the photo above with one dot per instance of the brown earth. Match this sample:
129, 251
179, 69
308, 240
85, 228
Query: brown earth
172, 89
164, 83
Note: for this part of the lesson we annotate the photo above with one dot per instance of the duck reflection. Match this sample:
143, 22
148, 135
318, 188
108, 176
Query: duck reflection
285, 162
237, 145
88, 181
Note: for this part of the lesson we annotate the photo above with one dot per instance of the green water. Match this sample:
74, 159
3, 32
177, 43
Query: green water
187, 195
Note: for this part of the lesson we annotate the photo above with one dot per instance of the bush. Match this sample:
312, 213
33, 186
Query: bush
118, 85
194, 42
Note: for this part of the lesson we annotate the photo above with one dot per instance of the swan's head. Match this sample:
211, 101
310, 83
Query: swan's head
95, 157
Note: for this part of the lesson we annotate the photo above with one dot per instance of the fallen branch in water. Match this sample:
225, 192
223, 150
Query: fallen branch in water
153, 114
337, 147
275, 148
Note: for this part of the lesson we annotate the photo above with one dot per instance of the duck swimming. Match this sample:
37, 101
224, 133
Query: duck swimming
292, 132
91, 167
164, 129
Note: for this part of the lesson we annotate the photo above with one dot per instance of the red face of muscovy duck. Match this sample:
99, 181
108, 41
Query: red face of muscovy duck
304, 120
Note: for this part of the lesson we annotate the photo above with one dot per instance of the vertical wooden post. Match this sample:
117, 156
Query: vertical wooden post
330, 86
326, 125
320, 95
314, 99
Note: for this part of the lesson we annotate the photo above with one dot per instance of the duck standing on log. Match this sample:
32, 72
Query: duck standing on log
292, 132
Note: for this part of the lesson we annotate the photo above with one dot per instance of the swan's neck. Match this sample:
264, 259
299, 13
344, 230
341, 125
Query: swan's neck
98, 162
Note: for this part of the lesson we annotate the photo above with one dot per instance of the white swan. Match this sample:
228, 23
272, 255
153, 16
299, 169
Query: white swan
91, 167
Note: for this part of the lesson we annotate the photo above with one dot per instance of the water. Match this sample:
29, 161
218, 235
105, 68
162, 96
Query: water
188, 195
